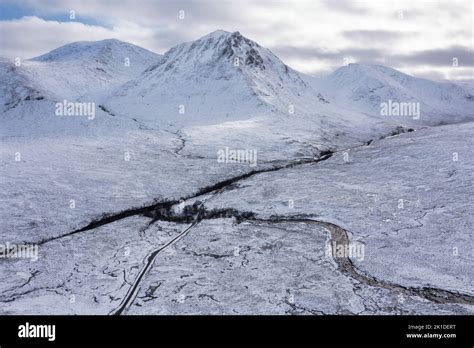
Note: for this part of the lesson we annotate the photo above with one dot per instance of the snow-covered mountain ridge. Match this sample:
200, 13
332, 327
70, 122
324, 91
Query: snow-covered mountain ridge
364, 87
220, 75
225, 77
73, 71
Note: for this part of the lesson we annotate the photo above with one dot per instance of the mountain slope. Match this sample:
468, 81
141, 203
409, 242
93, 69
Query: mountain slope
220, 76
90, 67
80, 69
17, 86
111, 60
364, 87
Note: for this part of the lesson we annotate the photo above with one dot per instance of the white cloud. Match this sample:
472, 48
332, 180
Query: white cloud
31, 36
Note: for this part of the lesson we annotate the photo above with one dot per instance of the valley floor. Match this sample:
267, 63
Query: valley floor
381, 228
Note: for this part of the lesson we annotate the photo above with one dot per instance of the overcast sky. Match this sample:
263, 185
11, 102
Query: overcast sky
422, 38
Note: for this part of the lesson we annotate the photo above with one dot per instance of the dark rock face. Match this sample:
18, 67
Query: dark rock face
254, 59
239, 46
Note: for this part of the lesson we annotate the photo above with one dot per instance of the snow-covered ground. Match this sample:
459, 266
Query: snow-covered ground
406, 198
156, 135
222, 266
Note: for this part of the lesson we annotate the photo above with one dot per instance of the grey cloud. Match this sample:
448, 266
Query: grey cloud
441, 57
369, 36
346, 6
147, 12
435, 57
359, 54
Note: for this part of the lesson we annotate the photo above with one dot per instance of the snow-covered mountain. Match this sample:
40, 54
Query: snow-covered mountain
81, 71
225, 77
100, 63
73, 71
364, 87
219, 76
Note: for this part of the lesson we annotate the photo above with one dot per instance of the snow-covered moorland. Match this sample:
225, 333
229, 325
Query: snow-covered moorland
145, 208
